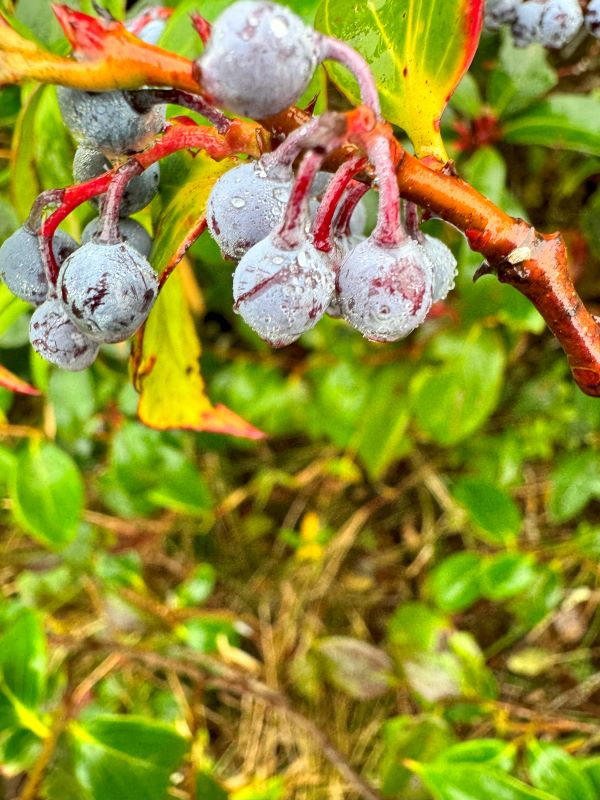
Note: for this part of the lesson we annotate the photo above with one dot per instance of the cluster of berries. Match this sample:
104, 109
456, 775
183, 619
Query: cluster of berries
298, 235
551, 23
105, 287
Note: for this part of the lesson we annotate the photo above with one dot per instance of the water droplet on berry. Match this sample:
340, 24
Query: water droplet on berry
279, 26
238, 202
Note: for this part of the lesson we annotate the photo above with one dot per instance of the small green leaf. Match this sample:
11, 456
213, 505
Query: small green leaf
464, 782
575, 481
357, 668
198, 587
451, 402
23, 660
454, 583
420, 738
490, 752
47, 493
126, 758
554, 770
521, 77
563, 121
493, 512
507, 574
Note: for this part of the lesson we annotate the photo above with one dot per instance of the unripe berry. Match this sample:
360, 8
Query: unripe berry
560, 21
244, 206
106, 120
526, 27
21, 266
107, 290
259, 59
281, 293
385, 292
130, 230
444, 267
57, 340
89, 162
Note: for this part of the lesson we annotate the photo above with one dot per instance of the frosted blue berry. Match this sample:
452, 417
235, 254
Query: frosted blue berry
21, 266
444, 267
89, 162
526, 26
106, 120
559, 23
57, 340
385, 292
244, 206
281, 293
130, 230
500, 12
107, 290
592, 18
259, 59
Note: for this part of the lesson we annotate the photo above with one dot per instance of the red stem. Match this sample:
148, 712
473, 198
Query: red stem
388, 230
291, 231
356, 191
321, 228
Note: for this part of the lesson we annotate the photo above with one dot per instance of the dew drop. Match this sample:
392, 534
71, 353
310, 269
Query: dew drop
279, 26
238, 202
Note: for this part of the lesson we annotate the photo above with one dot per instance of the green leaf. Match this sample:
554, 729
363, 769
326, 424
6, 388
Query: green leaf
463, 782
520, 78
47, 494
418, 52
198, 587
357, 668
554, 770
452, 401
490, 752
491, 510
380, 435
23, 659
419, 738
575, 481
454, 583
126, 758
414, 627
563, 121
507, 574
25, 185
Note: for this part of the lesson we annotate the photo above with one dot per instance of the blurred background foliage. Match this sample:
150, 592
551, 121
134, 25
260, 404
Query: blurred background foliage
399, 583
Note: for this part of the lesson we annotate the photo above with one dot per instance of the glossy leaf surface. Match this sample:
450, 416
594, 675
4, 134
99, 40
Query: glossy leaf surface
418, 51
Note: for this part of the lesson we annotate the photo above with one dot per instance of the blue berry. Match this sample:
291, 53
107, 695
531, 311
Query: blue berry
281, 293
107, 290
560, 21
526, 26
444, 267
89, 162
21, 266
130, 230
106, 120
244, 206
57, 340
259, 59
385, 292
500, 12
592, 18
